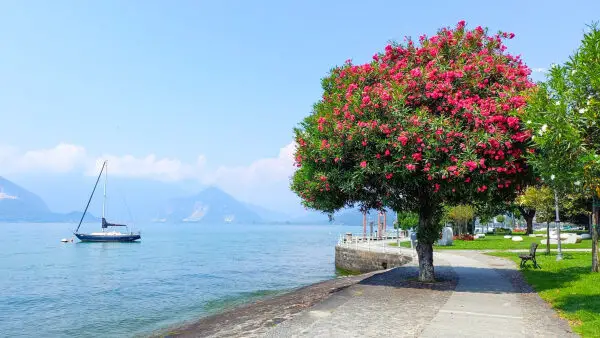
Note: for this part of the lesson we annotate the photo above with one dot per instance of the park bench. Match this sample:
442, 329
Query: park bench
530, 256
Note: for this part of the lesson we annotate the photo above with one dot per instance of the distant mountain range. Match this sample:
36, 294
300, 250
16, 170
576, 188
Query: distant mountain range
20, 205
210, 205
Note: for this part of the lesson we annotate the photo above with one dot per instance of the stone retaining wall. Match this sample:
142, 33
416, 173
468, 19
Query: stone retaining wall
361, 260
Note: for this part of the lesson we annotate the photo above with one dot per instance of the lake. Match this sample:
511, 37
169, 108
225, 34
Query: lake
177, 272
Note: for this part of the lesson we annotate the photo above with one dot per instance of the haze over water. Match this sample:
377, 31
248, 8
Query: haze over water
177, 272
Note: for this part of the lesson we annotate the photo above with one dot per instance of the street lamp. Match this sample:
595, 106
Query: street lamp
559, 253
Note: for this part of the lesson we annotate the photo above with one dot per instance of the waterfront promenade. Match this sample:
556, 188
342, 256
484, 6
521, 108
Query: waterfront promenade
477, 296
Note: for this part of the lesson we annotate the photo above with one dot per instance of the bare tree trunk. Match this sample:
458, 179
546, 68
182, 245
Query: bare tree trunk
425, 253
548, 238
426, 236
594, 228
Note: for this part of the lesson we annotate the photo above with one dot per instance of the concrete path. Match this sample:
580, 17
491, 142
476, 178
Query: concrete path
478, 296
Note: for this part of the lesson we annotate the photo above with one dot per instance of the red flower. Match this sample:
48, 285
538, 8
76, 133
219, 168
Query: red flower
403, 139
471, 165
513, 122
389, 175
363, 164
417, 156
411, 167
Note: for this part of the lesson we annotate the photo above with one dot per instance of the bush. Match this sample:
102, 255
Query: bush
464, 237
502, 231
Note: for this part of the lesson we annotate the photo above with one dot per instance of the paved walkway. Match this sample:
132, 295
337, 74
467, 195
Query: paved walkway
477, 296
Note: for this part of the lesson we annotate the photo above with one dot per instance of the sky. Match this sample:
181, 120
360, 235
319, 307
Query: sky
174, 91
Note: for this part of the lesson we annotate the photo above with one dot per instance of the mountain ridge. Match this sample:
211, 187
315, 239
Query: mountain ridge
18, 204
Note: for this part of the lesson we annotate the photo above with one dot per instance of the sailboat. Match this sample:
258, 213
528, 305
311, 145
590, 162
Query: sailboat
104, 235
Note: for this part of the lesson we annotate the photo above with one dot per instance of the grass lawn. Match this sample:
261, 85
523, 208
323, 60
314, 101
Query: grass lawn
569, 286
498, 242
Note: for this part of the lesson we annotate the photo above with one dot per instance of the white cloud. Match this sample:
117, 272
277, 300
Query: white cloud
60, 159
539, 70
272, 169
260, 174
264, 181
151, 167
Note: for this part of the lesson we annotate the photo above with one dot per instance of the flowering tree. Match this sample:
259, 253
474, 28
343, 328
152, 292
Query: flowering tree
424, 123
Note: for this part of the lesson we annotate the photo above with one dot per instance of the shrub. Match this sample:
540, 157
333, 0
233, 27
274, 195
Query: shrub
464, 237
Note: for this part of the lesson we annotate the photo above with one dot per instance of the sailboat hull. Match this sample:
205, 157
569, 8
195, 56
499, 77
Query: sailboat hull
108, 237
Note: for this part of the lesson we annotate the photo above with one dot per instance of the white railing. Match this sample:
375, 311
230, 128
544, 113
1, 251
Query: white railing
369, 240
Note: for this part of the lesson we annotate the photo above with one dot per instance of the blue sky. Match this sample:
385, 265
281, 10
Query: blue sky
213, 86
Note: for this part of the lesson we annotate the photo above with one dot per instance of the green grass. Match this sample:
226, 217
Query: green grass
498, 242
569, 286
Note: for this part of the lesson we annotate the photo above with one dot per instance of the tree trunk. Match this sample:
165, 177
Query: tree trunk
595, 248
529, 221
426, 235
425, 253
594, 227
528, 214
547, 238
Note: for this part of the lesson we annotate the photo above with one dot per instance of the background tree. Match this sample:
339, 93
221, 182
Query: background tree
566, 113
585, 76
541, 200
460, 215
406, 220
487, 211
423, 124
501, 219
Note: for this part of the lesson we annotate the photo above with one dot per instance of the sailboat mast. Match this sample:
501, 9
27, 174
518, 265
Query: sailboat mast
92, 195
104, 201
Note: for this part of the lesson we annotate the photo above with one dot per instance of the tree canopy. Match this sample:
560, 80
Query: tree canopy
424, 123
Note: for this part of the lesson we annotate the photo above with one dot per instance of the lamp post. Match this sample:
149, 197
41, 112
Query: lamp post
559, 253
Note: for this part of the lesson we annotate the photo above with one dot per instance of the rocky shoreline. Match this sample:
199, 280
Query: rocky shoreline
257, 317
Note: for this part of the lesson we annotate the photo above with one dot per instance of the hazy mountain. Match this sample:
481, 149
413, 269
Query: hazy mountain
310, 217
128, 199
18, 204
211, 205
269, 215
355, 217
350, 216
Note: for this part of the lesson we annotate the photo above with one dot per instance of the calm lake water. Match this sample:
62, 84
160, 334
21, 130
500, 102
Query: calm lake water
177, 272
